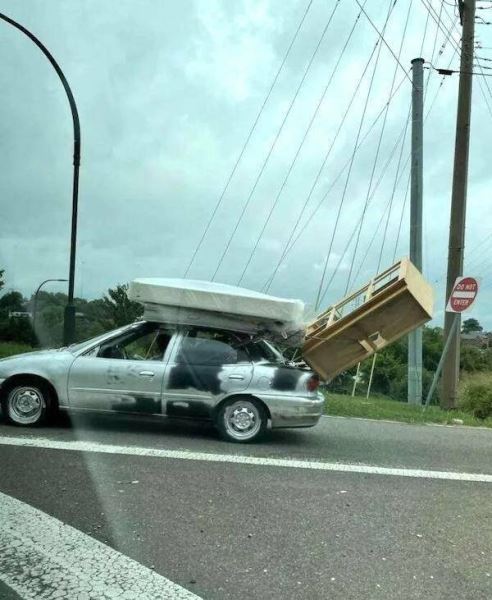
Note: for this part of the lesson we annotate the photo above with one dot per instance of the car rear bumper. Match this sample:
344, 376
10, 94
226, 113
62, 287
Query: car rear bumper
295, 411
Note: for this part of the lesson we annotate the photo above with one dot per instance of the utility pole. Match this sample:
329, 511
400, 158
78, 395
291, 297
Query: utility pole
415, 337
451, 367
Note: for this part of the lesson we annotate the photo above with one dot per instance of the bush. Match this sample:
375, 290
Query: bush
474, 359
11, 348
476, 395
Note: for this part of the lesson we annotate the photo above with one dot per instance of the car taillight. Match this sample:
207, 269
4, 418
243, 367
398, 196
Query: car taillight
312, 383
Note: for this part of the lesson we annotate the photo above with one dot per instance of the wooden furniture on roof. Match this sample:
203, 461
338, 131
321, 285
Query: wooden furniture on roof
388, 307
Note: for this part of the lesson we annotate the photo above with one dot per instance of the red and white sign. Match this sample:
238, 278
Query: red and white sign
464, 292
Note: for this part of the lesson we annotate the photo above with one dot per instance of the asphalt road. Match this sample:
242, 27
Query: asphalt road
225, 530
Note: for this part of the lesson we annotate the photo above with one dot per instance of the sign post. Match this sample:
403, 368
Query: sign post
462, 297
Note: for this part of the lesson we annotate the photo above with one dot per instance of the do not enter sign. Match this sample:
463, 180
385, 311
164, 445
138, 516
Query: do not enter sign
463, 295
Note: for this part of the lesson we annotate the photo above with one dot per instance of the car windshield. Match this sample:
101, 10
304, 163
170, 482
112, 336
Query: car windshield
94, 341
261, 350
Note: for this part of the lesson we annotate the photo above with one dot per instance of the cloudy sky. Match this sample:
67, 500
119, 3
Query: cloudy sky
167, 95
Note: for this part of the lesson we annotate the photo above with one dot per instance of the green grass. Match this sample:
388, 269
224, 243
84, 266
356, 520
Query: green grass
392, 410
11, 348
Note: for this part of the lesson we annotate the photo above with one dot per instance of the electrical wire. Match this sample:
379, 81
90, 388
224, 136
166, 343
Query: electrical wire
387, 212
380, 257
291, 242
382, 38
248, 138
425, 34
485, 96
431, 11
376, 156
397, 176
391, 156
485, 81
354, 152
272, 147
433, 58
433, 50
397, 179
401, 219
299, 148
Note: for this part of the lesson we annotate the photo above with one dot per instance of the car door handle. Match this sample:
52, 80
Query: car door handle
146, 374
238, 377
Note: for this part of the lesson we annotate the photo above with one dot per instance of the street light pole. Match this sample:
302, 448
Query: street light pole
35, 301
69, 318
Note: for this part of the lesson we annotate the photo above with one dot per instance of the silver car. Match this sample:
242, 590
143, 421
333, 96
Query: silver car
174, 371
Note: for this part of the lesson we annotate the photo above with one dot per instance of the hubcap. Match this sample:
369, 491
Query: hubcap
242, 420
25, 405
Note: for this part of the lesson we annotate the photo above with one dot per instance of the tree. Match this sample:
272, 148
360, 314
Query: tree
2, 282
10, 302
15, 329
119, 308
470, 325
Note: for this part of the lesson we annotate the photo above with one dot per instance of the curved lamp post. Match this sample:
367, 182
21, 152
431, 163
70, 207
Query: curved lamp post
69, 317
35, 301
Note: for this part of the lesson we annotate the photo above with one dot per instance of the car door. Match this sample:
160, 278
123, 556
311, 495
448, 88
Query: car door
206, 365
124, 374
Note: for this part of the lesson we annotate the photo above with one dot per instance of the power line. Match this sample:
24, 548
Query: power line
397, 179
401, 219
442, 71
393, 192
485, 81
431, 11
291, 242
272, 147
248, 138
425, 33
380, 179
475, 248
433, 57
485, 96
437, 32
382, 38
347, 179
378, 148
293, 162
387, 212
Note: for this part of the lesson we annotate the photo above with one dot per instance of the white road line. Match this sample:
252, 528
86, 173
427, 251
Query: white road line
41, 557
81, 446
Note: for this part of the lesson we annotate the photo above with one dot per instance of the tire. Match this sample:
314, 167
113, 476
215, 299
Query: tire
242, 420
27, 404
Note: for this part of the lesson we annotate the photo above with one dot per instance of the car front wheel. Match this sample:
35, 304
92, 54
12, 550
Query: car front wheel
242, 420
26, 404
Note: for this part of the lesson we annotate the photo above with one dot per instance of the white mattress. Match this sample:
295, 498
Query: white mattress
216, 297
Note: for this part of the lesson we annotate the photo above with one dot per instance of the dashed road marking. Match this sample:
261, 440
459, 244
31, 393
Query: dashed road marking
41, 557
85, 446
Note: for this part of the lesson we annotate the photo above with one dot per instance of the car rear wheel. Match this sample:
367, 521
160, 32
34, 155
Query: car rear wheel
242, 420
27, 404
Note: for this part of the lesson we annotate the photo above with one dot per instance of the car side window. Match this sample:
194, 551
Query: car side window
146, 344
211, 348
